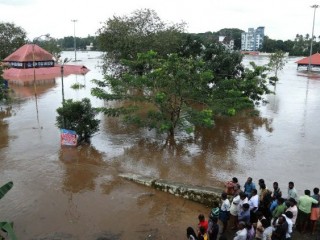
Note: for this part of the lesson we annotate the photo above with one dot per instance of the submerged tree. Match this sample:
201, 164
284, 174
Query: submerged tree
183, 83
163, 95
78, 116
276, 63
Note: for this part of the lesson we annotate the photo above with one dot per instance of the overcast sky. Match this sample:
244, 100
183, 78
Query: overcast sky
282, 19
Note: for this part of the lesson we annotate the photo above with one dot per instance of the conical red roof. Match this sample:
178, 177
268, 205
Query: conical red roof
315, 60
26, 53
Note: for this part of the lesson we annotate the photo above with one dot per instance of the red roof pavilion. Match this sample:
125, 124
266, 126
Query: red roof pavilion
314, 61
26, 53
32, 63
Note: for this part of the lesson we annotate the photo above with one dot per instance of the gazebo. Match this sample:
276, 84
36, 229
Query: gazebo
313, 60
31, 64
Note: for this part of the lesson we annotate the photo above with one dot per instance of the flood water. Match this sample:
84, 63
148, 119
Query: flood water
76, 193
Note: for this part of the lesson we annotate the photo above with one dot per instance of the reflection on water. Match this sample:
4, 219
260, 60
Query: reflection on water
204, 155
82, 166
76, 192
5, 112
23, 92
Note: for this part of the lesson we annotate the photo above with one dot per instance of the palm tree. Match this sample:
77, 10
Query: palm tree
307, 36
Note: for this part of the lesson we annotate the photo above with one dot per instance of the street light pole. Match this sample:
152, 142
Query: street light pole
33, 57
314, 15
74, 39
34, 70
62, 87
62, 72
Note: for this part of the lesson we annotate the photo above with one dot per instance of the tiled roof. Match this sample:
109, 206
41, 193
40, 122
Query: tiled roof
315, 60
26, 53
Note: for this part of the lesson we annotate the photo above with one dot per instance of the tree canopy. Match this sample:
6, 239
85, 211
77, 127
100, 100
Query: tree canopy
164, 87
11, 38
78, 116
159, 77
3, 87
123, 37
51, 45
300, 46
276, 63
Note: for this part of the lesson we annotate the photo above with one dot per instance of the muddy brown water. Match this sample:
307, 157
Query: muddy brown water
75, 193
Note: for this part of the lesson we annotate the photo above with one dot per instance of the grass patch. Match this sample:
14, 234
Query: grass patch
77, 86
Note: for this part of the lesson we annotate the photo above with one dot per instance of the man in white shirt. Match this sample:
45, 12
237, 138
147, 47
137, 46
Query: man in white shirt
242, 233
292, 192
224, 214
288, 216
253, 204
294, 209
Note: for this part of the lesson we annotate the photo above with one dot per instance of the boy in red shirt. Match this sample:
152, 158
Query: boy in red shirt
202, 222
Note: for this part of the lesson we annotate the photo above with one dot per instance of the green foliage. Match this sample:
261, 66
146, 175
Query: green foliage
67, 43
229, 34
142, 31
4, 91
180, 85
7, 226
222, 62
277, 61
52, 46
12, 37
78, 116
273, 80
230, 95
168, 86
299, 47
232, 33
77, 86
5, 188
213, 37
233, 88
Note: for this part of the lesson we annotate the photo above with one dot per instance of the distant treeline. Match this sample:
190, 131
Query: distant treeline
300, 46
67, 43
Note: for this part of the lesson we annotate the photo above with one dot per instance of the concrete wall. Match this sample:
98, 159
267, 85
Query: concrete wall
204, 195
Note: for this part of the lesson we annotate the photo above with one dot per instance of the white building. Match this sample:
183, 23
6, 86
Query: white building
253, 39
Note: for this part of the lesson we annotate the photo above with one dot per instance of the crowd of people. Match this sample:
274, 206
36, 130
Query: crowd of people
260, 213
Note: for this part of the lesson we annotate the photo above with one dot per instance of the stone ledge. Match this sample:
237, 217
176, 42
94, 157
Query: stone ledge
201, 194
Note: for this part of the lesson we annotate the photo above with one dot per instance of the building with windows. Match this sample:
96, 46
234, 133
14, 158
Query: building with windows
252, 40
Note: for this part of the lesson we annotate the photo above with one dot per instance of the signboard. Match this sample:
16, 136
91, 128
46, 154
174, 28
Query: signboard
36, 64
68, 137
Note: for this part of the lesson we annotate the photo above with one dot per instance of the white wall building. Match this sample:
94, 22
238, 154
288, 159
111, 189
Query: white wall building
253, 39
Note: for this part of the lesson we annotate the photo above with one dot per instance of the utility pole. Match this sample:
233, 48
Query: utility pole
74, 39
314, 15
